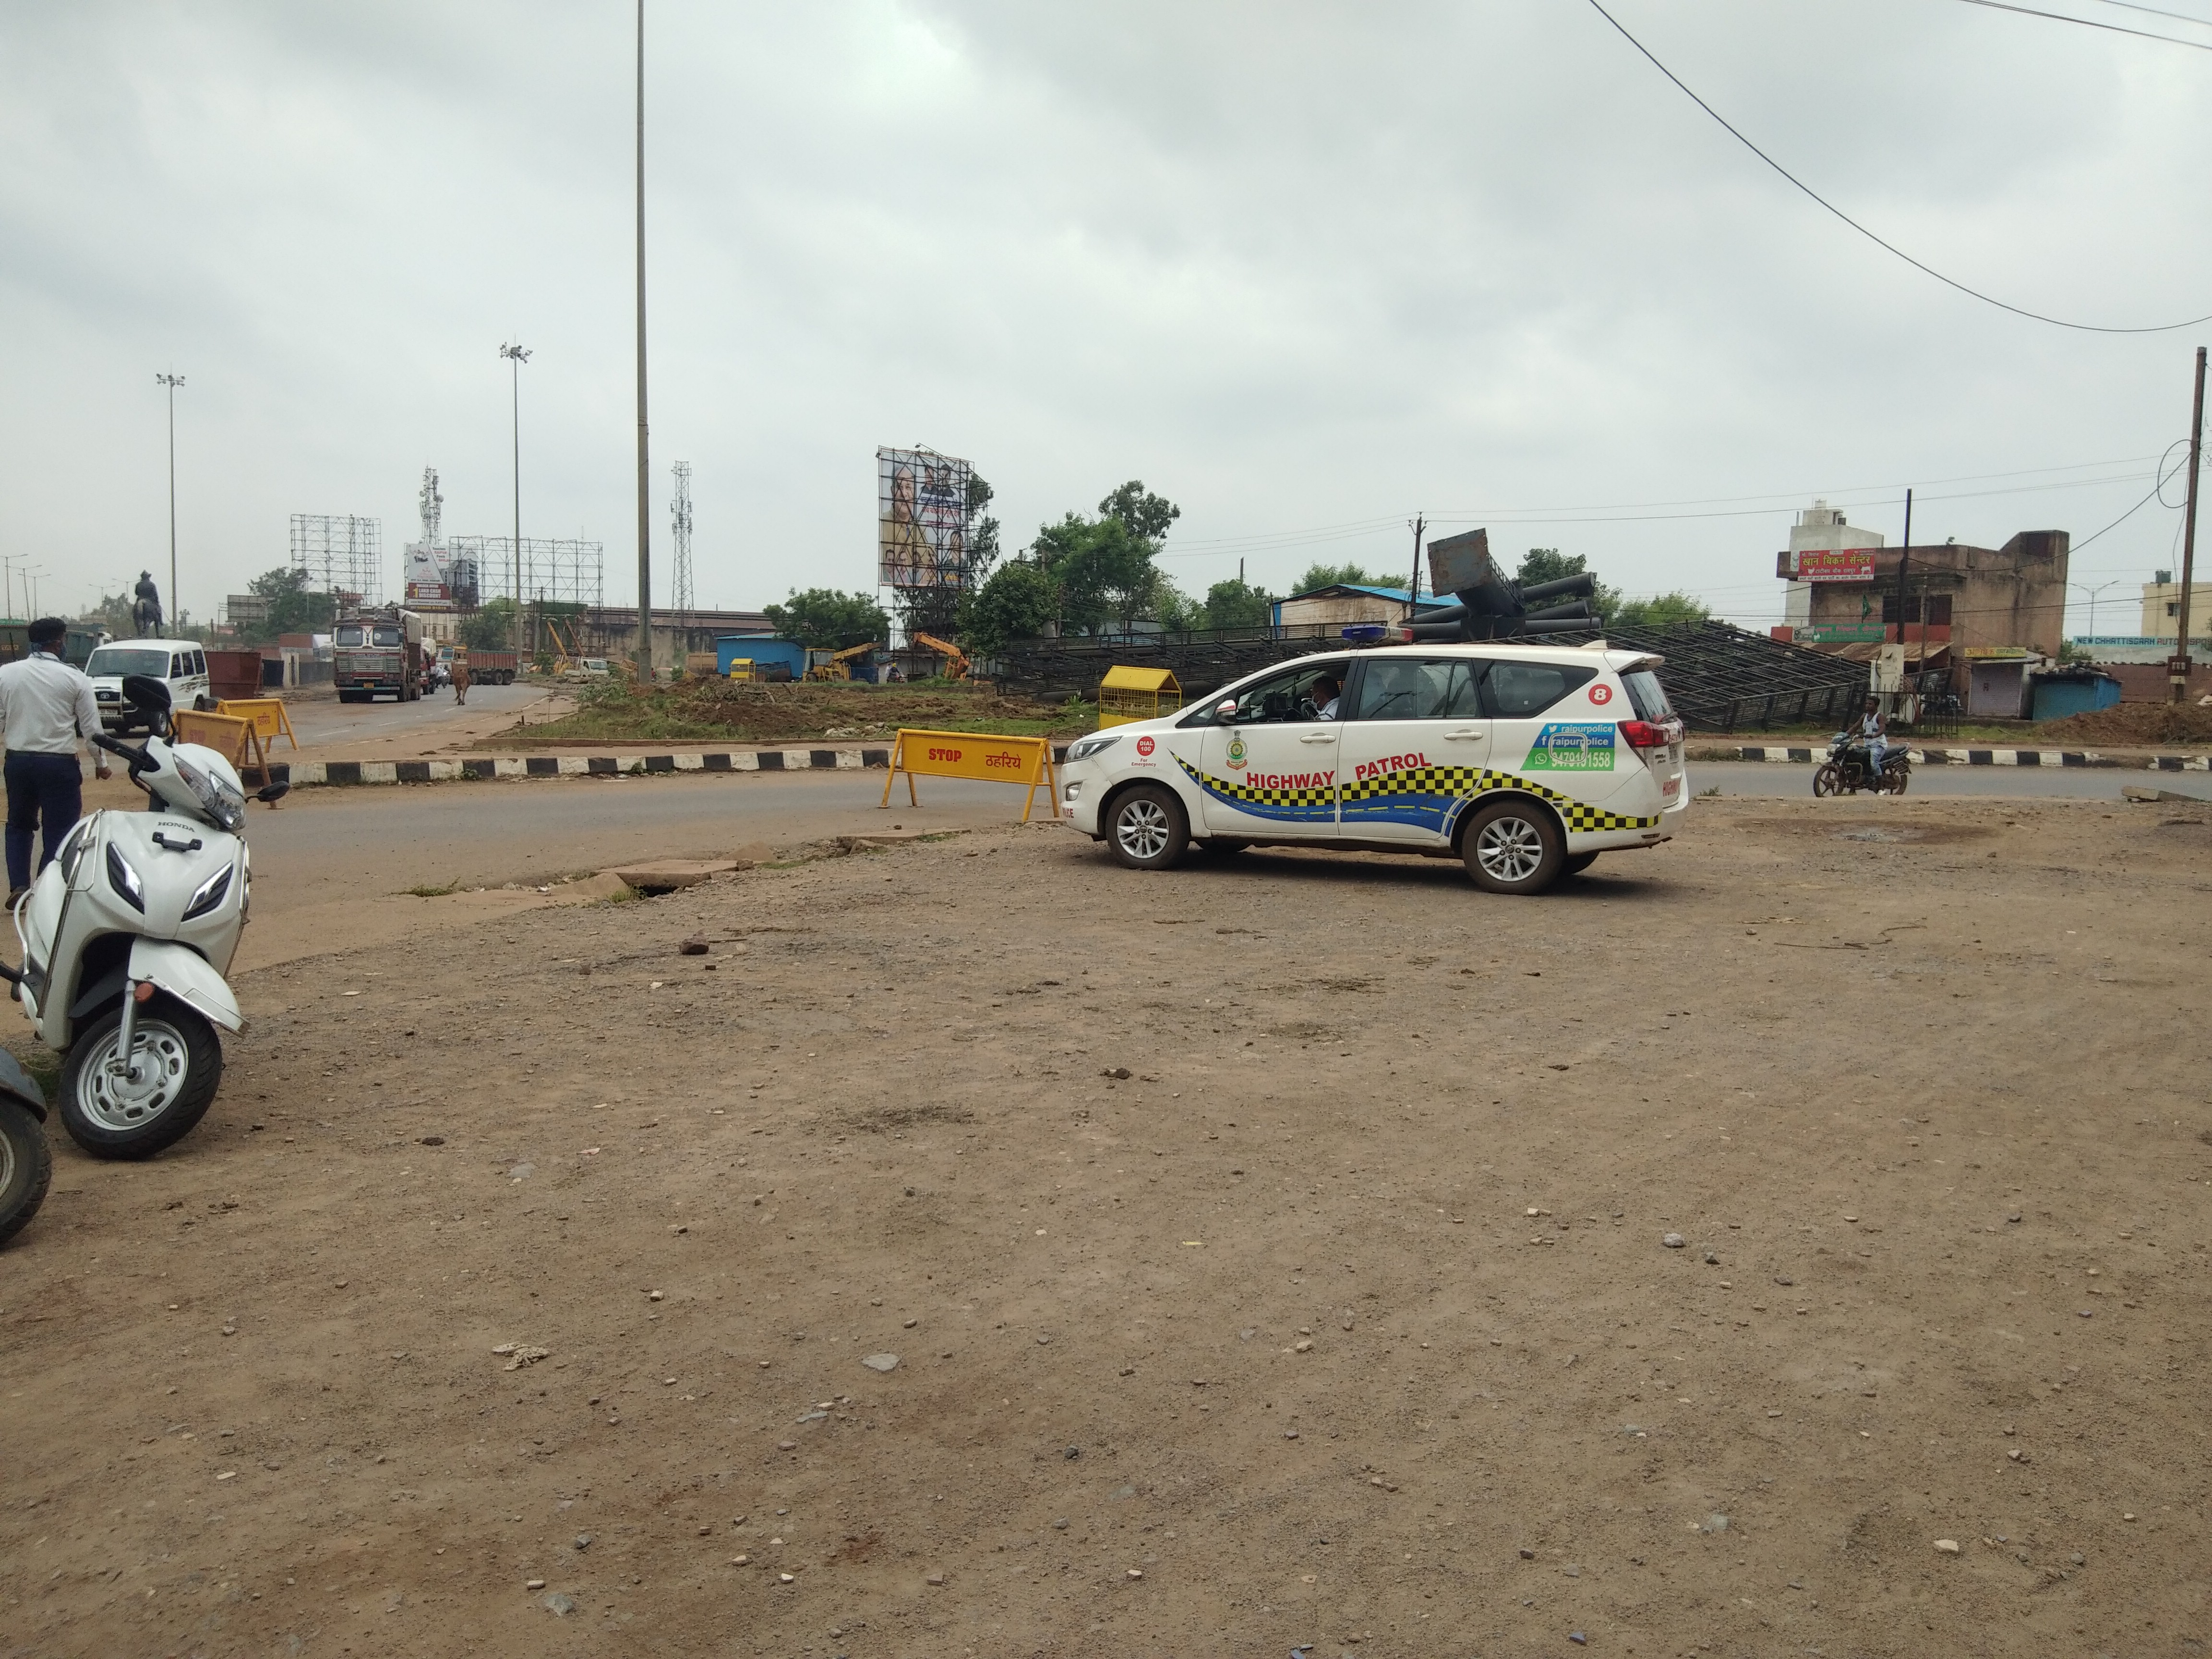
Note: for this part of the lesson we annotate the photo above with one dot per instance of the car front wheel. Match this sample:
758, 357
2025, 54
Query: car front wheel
1513, 846
1147, 827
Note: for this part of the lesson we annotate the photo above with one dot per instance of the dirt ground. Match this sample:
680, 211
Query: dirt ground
1272, 1250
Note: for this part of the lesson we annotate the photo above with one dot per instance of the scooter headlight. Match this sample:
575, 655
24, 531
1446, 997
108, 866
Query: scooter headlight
218, 799
209, 894
124, 880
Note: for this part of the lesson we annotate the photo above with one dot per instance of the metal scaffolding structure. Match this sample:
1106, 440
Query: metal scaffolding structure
554, 572
341, 553
680, 512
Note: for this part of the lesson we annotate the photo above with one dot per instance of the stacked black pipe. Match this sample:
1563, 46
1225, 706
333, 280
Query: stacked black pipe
1491, 605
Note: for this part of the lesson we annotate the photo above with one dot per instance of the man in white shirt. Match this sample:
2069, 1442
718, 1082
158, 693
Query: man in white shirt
46, 707
1324, 693
1874, 733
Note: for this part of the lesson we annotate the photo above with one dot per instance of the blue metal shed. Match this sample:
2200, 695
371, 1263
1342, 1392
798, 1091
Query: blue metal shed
763, 648
2072, 691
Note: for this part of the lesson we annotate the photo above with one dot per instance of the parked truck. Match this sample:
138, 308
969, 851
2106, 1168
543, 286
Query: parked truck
488, 667
377, 652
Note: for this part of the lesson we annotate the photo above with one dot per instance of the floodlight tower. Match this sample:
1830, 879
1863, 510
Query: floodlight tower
679, 515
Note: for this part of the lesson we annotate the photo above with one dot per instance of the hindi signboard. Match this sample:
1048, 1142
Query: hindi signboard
1843, 564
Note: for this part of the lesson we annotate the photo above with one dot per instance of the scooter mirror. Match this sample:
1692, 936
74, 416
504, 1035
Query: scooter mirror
273, 794
145, 692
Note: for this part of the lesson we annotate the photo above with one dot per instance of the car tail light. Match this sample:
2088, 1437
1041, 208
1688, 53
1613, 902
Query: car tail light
1643, 734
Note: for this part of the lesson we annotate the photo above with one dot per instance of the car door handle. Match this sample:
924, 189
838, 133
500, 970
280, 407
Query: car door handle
1318, 737
1466, 732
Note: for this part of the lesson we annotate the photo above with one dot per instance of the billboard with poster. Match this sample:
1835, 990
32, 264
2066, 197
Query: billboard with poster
922, 518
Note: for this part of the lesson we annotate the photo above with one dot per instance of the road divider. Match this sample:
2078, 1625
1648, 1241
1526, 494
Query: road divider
1803, 754
302, 775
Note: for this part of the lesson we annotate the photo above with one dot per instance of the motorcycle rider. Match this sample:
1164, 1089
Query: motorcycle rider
47, 707
1874, 733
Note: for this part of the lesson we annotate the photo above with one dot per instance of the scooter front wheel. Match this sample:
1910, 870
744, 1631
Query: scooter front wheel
26, 1165
180, 1065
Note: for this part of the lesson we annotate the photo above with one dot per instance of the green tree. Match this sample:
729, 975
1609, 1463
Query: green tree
1336, 575
490, 627
824, 619
1233, 604
293, 608
1102, 569
1147, 515
1548, 564
1017, 602
1661, 611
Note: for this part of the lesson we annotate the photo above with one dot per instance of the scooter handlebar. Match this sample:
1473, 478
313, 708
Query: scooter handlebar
138, 759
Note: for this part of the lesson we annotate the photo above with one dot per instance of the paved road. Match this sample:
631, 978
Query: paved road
2024, 783
323, 724
383, 839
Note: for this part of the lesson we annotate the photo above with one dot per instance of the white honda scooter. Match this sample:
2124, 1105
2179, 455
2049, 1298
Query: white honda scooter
126, 936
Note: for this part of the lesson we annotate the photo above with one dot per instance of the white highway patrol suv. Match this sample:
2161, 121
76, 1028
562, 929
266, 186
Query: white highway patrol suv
1526, 761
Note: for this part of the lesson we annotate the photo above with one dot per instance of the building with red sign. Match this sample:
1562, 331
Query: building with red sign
1956, 597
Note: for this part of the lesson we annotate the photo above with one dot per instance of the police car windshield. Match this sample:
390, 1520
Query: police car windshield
111, 659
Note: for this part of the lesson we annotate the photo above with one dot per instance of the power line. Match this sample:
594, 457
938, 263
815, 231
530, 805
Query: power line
2018, 311
2180, 16
2088, 23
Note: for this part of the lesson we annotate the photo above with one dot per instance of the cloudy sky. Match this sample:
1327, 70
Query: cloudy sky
1305, 269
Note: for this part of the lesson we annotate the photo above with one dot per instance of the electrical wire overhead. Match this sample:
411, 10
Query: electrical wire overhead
1889, 247
2089, 23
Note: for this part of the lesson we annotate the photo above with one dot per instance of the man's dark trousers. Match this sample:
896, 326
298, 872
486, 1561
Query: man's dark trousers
43, 790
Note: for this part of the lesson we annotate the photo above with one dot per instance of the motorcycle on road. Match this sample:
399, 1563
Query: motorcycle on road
126, 936
1846, 771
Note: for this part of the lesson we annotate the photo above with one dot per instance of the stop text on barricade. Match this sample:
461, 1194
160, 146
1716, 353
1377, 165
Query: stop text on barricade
1024, 761
267, 714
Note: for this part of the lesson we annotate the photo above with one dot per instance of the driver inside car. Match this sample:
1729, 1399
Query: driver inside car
1322, 694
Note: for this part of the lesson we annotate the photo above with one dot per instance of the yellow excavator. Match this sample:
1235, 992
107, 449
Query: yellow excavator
956, 660
837, 665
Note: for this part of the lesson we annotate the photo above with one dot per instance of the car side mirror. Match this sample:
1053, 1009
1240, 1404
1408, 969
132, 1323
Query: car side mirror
146, 693
1225, 709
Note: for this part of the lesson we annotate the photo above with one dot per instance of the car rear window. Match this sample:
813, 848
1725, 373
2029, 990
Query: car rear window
1646, 696
1522, 690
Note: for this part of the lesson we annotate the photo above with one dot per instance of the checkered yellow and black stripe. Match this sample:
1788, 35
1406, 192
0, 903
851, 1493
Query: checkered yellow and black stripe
1431, 796
1306, 804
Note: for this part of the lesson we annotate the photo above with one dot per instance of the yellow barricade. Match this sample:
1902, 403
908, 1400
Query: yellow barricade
267, 714
1025, 761
238, 740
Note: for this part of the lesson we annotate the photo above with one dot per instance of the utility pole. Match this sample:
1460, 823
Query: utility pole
644, 478
1904, 559
1413, 589
516, 356
2177, 668
173, 381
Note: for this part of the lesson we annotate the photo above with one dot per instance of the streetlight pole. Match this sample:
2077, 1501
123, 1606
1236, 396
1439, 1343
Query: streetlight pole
2177, 665
516, 356
2084, 588
644, 476
173, 381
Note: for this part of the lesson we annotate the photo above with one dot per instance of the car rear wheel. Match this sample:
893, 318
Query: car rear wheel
1513, 846
1147, 827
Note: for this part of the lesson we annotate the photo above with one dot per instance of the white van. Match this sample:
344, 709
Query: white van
181, 662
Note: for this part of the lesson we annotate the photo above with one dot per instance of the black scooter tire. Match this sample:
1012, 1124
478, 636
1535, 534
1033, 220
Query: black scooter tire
199, 1073
27, 1167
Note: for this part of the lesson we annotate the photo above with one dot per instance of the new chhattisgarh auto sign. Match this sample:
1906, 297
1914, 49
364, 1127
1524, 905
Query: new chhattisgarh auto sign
1846, 564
